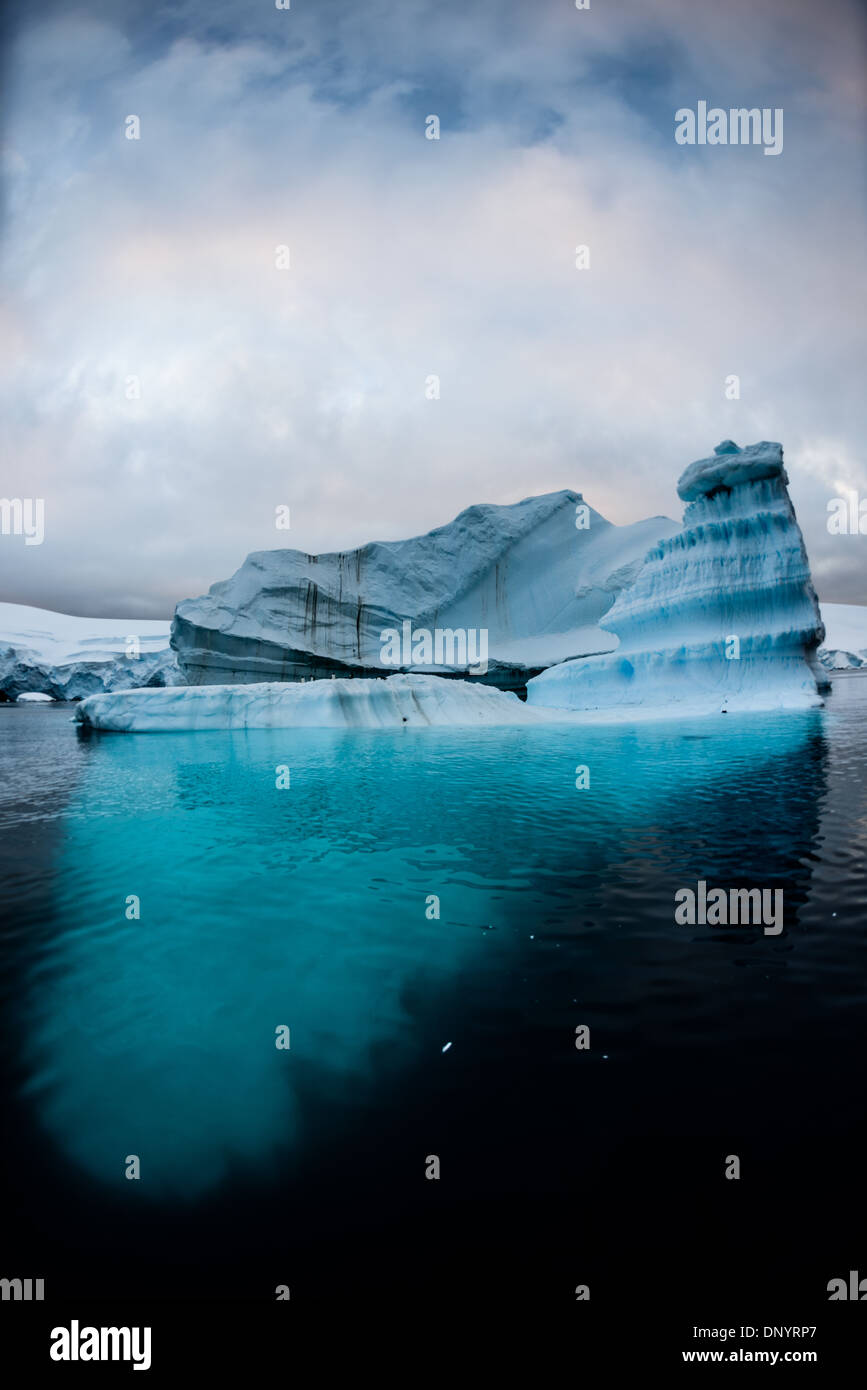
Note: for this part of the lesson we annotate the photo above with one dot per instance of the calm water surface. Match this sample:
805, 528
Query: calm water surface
307, 907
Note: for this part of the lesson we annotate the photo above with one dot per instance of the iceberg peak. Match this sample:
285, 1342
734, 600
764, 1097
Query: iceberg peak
729, 466
725, 610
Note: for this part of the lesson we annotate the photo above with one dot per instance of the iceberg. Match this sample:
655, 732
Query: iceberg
578, 613
392, 702
722, 615
67, 657
535, 577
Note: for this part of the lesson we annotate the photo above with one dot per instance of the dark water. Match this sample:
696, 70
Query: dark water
308, 907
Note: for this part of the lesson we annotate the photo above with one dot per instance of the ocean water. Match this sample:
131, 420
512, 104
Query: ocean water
420, 1028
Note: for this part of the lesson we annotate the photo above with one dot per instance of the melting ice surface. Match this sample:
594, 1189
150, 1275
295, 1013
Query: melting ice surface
306, 907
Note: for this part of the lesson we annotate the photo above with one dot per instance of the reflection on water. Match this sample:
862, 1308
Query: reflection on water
308, 907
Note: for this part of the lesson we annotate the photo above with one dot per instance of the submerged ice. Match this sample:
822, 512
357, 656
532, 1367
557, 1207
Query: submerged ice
722, 615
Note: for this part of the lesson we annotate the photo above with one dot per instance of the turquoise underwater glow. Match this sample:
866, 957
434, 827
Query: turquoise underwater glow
309, 907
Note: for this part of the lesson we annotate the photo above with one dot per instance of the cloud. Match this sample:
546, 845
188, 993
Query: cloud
155, 259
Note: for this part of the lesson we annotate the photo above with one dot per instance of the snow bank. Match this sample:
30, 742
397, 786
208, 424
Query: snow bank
723, 612
69, 657
400, 700
536, 582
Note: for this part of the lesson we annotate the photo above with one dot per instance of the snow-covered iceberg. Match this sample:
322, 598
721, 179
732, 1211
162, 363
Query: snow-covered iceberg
69, 657
342, 703
722, 614
536, 577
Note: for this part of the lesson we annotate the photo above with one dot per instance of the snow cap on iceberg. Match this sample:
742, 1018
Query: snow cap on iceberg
729, 466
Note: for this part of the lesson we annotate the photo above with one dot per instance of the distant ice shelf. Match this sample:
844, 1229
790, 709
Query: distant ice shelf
845, 645
67, 657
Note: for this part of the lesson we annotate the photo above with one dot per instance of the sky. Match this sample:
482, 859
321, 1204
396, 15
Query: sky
166, 386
